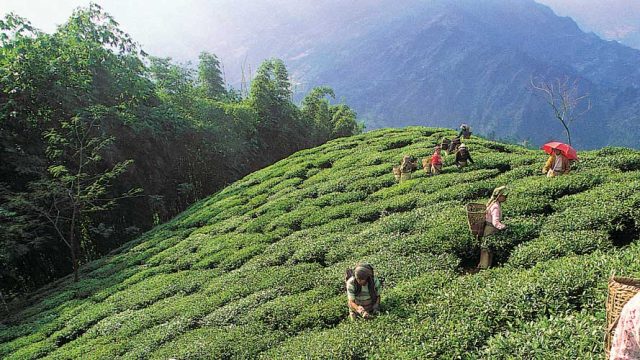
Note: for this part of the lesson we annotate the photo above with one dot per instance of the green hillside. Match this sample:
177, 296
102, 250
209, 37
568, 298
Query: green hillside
256, 270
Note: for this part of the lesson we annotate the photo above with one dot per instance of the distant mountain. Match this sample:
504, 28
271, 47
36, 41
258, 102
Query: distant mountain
443, 62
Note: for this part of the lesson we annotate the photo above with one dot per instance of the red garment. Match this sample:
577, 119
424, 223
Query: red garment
436, 159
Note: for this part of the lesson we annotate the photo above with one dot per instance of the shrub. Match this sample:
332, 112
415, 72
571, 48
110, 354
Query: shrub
225, 343
546, 338
558, 244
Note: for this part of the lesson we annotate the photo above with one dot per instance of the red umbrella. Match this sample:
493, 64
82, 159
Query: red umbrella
567, 150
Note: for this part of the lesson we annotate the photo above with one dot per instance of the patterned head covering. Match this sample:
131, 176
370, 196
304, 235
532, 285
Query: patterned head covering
363, 272
502, 190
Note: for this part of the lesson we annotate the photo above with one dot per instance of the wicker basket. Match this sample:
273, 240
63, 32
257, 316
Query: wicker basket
397, 172
621, 290
476, 218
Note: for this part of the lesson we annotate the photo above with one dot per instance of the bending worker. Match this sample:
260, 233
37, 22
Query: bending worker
557, 164
493, 223
363, 292
626, 338
463, 157
465, 131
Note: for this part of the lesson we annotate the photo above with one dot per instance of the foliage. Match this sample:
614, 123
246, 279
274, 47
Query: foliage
256, 269
86, 112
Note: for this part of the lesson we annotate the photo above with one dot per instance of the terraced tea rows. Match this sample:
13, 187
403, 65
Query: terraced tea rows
256, 269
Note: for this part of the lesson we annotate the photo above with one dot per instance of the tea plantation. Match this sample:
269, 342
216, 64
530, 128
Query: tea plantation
256, 270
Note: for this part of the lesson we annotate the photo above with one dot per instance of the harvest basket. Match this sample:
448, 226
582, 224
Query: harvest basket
476, 218
396, 172
621, 290
405, 176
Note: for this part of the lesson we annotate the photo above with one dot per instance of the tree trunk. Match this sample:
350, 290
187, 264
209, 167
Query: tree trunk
74, 246
6, 307
566, 129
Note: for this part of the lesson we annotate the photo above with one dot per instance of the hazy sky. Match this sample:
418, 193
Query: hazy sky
610, 19
181, 29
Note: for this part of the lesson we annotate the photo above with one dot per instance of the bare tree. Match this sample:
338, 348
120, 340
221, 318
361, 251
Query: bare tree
565, 100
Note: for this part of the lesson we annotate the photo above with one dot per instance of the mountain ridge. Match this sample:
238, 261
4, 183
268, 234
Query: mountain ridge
395, 74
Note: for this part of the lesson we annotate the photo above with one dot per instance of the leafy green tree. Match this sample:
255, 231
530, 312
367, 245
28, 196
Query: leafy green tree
329, 121
51, 84
344, 122
271, 92
79, 180
210, 76
316, 110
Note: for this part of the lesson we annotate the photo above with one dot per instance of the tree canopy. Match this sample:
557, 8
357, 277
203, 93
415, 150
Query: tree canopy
89, 119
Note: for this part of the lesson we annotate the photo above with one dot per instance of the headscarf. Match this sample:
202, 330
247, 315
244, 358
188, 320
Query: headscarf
365, 272
463, 146
501, 190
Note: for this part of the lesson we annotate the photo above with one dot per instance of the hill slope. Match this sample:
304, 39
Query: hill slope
256, 269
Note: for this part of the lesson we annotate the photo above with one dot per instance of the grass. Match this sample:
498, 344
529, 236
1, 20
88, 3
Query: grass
256, 270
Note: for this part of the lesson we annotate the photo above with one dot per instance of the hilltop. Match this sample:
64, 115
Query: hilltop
256, 269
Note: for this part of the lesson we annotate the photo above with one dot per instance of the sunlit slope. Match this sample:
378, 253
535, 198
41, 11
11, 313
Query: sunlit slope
257, 269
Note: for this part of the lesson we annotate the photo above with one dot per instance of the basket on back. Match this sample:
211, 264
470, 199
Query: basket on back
621, 290
476, 218
396, 172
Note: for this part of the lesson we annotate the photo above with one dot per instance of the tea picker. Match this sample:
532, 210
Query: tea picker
622, 335
363, 292
485, 221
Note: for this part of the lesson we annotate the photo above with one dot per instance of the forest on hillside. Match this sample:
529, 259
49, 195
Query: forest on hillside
100, 141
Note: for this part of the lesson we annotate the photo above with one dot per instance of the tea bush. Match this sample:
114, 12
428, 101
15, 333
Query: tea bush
558, 244
257, 269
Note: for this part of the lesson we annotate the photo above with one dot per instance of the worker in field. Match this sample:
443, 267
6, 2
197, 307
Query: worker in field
407, 166
434, 163
626, 338
465, 131
445, 143
493, 223
454, 145
557, 164
463, 157
363, 292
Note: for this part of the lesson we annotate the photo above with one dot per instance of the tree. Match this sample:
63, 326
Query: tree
328, 121
565, 100
210, 76
316, 110
59, 92
344, 122
79, 181
280, 125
